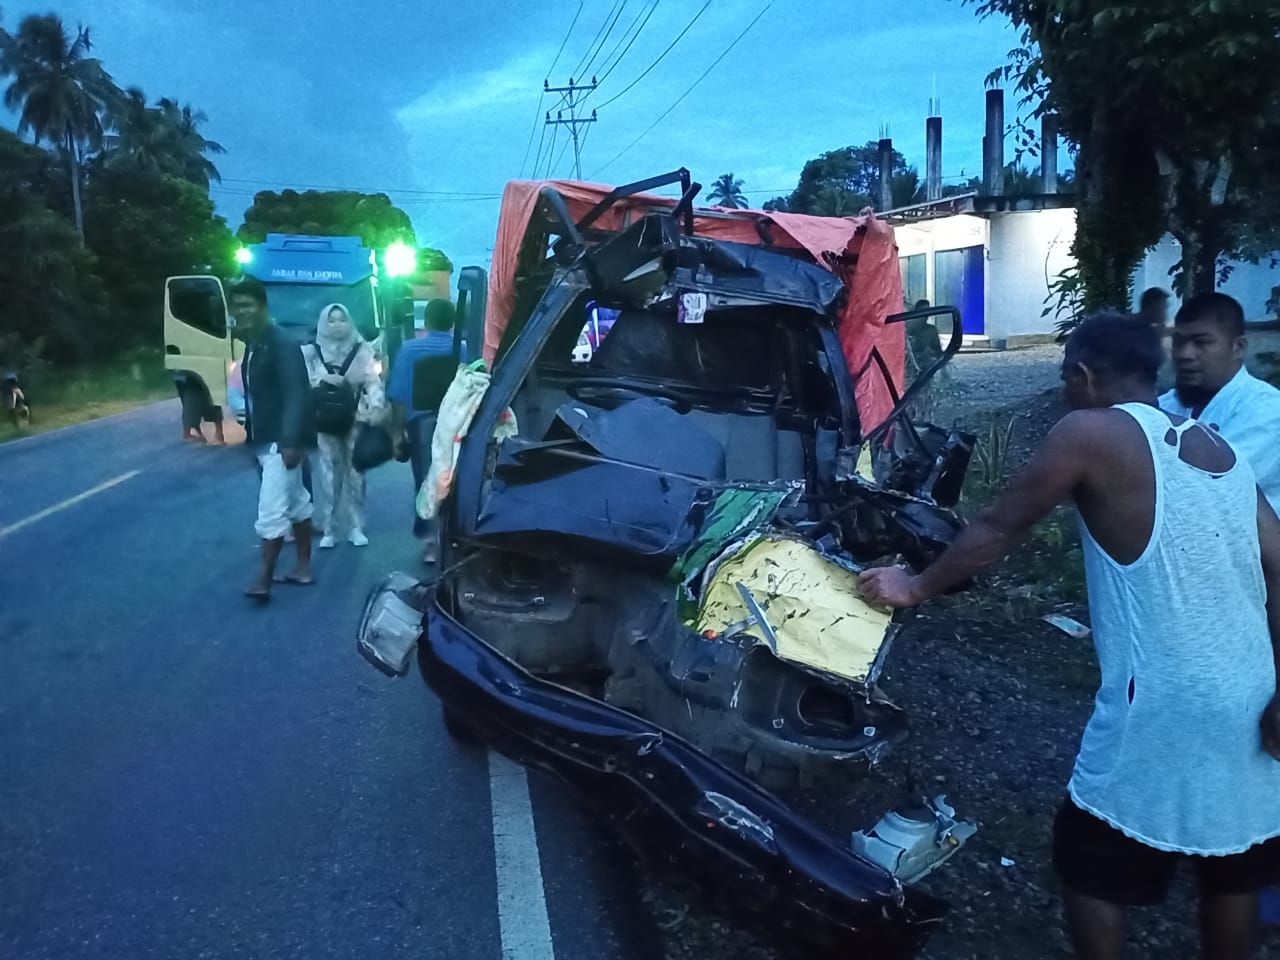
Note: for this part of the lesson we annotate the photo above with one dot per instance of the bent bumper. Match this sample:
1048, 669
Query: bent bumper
678, 804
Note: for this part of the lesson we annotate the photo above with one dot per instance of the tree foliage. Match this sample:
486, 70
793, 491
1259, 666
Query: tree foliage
58, 91
143, 227
96, 287
50, 295
370, 216
843, 182
162, 138
727, 192
1174, 106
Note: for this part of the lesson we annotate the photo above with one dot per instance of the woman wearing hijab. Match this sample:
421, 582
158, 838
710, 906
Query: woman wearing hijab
339, 345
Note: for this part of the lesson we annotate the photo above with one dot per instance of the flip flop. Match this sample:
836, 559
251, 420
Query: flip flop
261, 596
290, 579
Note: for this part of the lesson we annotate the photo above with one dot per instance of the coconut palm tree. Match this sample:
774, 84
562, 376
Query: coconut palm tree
58, 91
139, 137
164, 138
189, 145
727, 192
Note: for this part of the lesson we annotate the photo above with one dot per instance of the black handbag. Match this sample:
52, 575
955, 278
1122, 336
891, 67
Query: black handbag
372, 448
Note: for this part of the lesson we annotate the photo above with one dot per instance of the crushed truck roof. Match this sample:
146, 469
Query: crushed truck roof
860, 250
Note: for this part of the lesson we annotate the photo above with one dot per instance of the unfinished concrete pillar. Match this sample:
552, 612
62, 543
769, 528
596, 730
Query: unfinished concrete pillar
1049, 153
885, 153
993, 146
933, 158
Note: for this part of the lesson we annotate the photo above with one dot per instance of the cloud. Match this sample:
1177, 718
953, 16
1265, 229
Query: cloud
469, 97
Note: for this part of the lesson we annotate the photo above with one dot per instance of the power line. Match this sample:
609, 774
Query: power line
567, 33
538, 156
702, 77
556, 166
649, 68
551, 149
587, 69
642, 18
538, 109
577, 71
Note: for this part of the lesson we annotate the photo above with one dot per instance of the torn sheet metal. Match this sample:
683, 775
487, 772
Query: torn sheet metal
735, 513
810, 602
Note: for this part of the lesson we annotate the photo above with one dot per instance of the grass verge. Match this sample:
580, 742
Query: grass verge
77, 394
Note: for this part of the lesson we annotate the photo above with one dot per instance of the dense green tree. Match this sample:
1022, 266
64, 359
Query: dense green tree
143, 227
1174, 106
840, 183
50, 295
58, 91
372, 217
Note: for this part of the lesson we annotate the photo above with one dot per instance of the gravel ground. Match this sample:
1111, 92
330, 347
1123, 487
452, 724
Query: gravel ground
998, 701
992, 380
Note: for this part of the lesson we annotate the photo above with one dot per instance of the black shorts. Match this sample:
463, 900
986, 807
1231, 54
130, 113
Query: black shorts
1096, 860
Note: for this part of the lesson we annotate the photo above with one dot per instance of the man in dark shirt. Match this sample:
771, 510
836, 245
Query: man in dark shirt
411, 425
279, 428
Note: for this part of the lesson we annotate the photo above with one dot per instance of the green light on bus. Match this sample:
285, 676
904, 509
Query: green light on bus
244, 255
400, 259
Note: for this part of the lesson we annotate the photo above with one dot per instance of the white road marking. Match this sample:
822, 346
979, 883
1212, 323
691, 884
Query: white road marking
522, 902
69, 502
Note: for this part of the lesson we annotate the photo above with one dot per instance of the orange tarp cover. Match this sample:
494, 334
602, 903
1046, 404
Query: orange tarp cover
860, 249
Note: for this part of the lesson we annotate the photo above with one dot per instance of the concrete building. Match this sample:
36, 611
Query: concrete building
995, 257
991, 259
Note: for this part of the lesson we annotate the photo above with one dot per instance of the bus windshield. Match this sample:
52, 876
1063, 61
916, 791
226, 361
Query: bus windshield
296, 306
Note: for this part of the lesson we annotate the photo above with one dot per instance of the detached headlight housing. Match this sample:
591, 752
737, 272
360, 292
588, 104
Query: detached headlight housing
392, 623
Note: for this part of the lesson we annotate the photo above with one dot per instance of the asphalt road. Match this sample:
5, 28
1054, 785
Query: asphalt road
184, 775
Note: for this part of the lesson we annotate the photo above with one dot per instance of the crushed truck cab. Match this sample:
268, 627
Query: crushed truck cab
675, 527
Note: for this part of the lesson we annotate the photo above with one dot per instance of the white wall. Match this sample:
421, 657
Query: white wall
1027, 250
1250, 283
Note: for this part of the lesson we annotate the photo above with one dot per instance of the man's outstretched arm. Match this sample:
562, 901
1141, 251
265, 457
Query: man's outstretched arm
1049, 479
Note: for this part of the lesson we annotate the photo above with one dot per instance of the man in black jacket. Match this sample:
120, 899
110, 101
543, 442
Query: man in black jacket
279, 427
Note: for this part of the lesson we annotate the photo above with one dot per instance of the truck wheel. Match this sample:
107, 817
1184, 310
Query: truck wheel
457, 728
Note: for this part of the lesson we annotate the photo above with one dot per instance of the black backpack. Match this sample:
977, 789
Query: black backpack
335, 403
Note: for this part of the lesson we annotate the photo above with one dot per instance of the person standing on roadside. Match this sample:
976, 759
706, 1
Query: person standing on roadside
1182, 557
341, 364
197, 407
426, 383
279, 428
1153, 307
1212, 385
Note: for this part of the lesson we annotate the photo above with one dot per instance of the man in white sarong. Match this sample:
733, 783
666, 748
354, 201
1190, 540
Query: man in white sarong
1213, 386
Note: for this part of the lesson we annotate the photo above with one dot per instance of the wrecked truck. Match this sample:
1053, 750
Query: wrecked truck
677, 526
649, 587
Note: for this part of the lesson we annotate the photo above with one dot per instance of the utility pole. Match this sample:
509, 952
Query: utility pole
573, 96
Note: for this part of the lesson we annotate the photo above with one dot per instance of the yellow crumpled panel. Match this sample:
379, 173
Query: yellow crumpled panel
811, 603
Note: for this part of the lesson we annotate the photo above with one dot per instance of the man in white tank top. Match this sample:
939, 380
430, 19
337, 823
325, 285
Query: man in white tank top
1181, 758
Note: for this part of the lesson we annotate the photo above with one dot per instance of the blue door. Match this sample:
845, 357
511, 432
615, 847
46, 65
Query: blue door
959, 280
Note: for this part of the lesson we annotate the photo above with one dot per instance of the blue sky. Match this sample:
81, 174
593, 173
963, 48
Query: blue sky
433, 103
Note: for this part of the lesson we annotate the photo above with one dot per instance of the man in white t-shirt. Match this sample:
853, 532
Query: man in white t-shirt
1213, 386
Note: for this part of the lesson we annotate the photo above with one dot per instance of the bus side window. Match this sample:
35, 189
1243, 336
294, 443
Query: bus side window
198, 302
